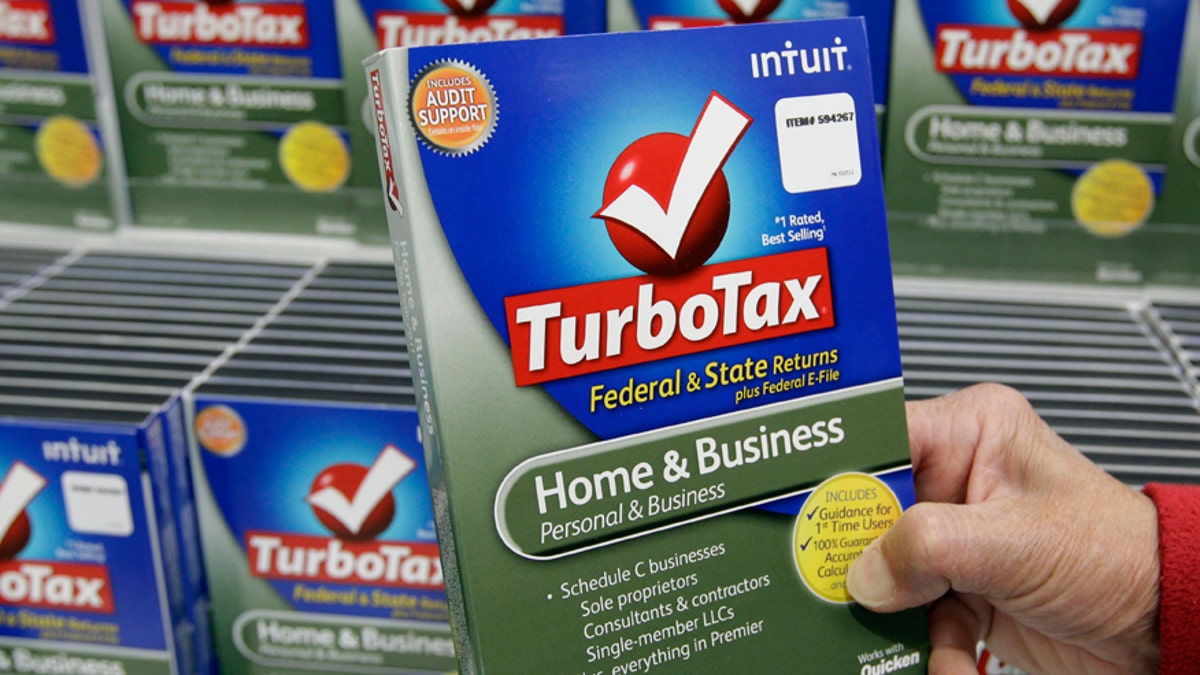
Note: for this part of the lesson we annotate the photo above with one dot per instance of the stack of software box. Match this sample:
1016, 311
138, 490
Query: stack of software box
1176, 205
98, 549
1010, 156
310, 479
60, 160
231, 114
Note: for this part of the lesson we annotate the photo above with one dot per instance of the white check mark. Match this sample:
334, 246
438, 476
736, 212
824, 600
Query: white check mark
388, 469
718, 130
1040, 9
19, 487
747, 6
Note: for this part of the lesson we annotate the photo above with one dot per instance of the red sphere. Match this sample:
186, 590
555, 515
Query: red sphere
1061, 13
652, 162
480, 7
16, 538
759, 13
346, 478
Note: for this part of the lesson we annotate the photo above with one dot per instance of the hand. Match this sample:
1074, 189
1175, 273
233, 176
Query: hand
1020, 541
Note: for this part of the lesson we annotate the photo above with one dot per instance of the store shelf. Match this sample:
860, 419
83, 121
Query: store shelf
1094, 368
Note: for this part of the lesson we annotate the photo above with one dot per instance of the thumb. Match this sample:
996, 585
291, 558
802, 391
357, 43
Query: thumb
930, 549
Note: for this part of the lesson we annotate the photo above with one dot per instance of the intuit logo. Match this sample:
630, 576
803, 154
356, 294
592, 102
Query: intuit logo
73, 451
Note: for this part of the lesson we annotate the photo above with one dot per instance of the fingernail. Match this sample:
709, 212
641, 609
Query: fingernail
869, 580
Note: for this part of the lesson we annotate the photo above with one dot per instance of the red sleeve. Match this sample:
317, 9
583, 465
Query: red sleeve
1179, 550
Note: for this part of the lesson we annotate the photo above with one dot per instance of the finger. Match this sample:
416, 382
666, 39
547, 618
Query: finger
942, 440
953, 635
933, 548
948, 434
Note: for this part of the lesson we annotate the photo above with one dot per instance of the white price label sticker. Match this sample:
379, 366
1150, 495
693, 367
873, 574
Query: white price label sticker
818, 142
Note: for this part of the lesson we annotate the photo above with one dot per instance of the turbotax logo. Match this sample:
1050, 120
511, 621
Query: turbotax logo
666, 208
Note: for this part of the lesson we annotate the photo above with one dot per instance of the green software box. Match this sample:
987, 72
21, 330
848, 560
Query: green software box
1029, 139
232, 114
59, 157
1178, 207
646, 285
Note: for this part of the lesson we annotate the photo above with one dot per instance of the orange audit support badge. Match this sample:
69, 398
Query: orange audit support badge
453, 107
220, 430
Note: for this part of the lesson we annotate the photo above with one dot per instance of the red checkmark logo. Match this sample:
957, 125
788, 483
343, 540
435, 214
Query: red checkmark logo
469, 7
355, 502
666, 200
1042, 14
749, 11
20, 485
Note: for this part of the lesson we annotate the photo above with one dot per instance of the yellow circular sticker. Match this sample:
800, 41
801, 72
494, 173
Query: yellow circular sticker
1112, 198
220, 430
453, 107
68, 151
838, 520
314, 157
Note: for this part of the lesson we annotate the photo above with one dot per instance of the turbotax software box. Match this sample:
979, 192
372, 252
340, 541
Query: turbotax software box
1030, 140
232, 115
59, 150
646, 285
1175, 212
310, 480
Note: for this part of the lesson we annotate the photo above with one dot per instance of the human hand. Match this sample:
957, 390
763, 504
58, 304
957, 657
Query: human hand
1018, 540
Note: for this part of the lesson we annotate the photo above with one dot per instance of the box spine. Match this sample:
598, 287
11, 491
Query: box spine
401, 174
157, 469
106, 111
188, 531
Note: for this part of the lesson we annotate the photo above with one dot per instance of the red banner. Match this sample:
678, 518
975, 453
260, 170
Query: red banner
585, 329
